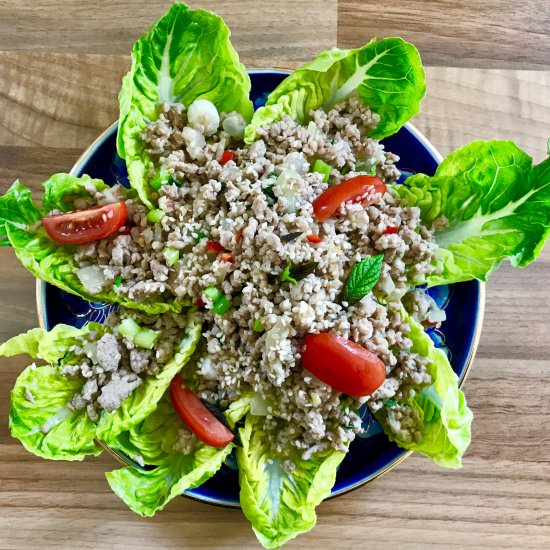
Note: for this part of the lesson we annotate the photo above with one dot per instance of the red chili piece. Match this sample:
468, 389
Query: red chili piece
214, 247
239, 236
390, 230
226, 257
226, 157
314, 239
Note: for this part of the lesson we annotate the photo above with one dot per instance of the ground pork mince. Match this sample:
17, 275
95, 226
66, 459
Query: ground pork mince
240, 228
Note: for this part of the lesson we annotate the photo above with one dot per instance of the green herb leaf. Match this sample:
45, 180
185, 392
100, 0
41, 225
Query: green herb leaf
363, 277
289, 237
286, 276
200, 235
118, 280
293, 273
269, 195
301, 271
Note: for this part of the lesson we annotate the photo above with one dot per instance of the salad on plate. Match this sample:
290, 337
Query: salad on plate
269, 271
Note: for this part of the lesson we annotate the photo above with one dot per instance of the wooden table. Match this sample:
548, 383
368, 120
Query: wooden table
60, 69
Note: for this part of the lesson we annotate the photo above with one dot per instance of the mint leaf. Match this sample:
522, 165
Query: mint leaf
363, 277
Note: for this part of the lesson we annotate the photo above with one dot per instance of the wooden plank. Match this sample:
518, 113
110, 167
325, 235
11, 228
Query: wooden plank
260, 29
460, 105
474, 33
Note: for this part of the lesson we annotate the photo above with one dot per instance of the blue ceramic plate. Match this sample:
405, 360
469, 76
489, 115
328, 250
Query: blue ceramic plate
370, 455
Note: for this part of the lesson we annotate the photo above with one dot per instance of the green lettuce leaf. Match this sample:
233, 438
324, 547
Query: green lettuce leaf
443, 415
46, 259
387, 75
41, 420
280, 505
40, 417
148, 491
497, 205
185, 56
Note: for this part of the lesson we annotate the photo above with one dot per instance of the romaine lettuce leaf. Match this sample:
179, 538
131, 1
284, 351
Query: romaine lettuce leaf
40, 417
444, 417
387, 75
48, 260
497, 205
278, 504
148, 491
185, 56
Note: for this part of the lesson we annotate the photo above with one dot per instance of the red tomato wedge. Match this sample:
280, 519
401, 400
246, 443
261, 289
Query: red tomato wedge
345, 366
197, 417
85, 226
365, 189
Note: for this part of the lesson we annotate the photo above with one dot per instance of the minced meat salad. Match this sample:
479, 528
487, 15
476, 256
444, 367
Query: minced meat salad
236, 233
114, 363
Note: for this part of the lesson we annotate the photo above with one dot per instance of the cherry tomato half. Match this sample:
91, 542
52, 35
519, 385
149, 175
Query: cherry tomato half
85, 226
345, 366
366, 189
197, 417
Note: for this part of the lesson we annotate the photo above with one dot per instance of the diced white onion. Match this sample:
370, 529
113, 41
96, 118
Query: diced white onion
296, 162
234, 125
92, 278
195, 142
203, 116
285, 185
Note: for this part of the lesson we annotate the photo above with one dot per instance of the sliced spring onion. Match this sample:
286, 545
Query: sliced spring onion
141, 337
213, 293
171, 255
154, 216
162, 177
146, 338
128, 328
257, 325
322, 167
221, 305
118, 280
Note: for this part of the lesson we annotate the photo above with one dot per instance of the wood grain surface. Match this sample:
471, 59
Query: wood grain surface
464, 33
60, 69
